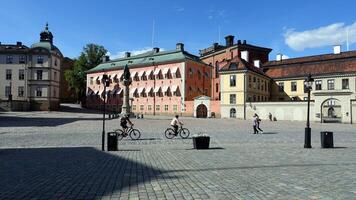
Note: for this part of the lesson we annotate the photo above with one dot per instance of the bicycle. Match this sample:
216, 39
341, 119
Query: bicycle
134, 134
183, 132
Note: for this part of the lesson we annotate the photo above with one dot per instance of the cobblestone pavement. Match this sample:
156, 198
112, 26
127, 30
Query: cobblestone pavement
57, 155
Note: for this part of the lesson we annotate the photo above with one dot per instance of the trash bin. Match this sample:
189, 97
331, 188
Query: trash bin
201, 142
327, 140
112, 141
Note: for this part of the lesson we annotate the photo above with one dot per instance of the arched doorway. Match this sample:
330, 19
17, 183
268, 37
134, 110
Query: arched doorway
331, 111
202, 111
232, 113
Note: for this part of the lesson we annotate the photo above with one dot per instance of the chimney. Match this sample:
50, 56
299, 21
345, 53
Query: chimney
19, 43
229, 40
180, 46
127, 54
279, 57
244, 55
215, 45
244, 42
155, 50
105, 59
257, 63
337, 49
238, 41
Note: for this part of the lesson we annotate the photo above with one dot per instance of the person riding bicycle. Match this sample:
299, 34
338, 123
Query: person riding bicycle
174, 123
123, 122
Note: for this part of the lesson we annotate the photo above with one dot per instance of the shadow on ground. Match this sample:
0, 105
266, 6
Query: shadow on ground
69, 173
16, 121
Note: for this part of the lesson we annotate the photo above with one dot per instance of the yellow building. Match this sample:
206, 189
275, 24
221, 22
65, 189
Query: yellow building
241, 83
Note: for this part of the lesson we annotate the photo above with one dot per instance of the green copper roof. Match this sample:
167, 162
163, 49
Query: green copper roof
46, 45
146, 59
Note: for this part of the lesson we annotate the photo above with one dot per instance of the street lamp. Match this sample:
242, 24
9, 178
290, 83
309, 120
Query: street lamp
106, 83
307, 136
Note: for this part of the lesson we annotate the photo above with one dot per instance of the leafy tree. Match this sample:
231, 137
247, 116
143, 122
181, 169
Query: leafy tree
76, 77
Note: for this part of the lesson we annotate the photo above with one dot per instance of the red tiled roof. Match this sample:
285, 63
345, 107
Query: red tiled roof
315, 65
237, 63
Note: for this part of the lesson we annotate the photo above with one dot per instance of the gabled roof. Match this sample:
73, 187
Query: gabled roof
146, 59
344, 62
237, 64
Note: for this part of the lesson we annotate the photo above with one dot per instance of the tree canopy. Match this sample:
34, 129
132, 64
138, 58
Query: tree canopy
90, 57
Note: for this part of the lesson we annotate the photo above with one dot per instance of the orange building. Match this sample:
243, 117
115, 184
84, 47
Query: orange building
217, 54
162, 82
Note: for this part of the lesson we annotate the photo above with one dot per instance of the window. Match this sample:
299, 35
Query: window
39, 60
254, 82
7, 91
258, 84
8, 74
22, 59
232, 80
254, 98
199, 74
39, 74
39, 92
293, 86
91, 80
191, 71
331, 84
249, 81
281, 87
175, 107
55, 62
9, 59
217, 87
266, 86
21, 74
318, 85
141, 107
345, 84
165, 107
149, 107
158, 108
232, 98
133, 107
55, 76
54, 92
21, 91
232, 113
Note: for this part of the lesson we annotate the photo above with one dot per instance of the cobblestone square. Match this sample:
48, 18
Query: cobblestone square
57, 155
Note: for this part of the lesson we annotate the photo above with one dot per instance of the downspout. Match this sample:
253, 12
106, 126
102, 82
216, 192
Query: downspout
245, 93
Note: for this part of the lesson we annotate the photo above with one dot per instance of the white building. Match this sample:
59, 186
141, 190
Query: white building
30, 77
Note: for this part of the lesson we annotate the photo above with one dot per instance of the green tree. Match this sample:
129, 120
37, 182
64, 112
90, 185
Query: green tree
76, 77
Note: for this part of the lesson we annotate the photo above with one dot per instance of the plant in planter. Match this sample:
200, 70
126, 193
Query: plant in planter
201, 141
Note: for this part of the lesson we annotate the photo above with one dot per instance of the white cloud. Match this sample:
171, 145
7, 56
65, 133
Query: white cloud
216, 14
121, 54
323, 36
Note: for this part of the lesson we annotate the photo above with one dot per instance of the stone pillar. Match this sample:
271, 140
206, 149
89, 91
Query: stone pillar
127, 82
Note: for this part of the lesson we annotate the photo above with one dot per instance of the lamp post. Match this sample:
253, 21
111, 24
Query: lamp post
307, 135
106, 83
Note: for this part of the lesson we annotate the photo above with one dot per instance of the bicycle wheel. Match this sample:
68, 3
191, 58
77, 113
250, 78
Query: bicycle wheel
120, 134
135, 134
184, 133
169, 133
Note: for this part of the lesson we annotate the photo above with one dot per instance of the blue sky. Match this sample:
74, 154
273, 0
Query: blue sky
293, 28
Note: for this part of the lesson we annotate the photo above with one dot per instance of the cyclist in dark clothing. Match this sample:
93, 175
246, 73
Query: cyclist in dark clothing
123, 122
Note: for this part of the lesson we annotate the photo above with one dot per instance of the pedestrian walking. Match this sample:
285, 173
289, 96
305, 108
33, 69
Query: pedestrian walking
270, 116
258, 123
255, 131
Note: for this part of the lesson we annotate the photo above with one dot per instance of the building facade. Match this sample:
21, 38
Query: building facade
30, 76
278, 88
162, 82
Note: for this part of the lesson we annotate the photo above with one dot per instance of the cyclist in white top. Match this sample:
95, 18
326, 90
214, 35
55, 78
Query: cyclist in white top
174, 124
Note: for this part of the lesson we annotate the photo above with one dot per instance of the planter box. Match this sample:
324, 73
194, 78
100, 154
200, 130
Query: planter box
201, 142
